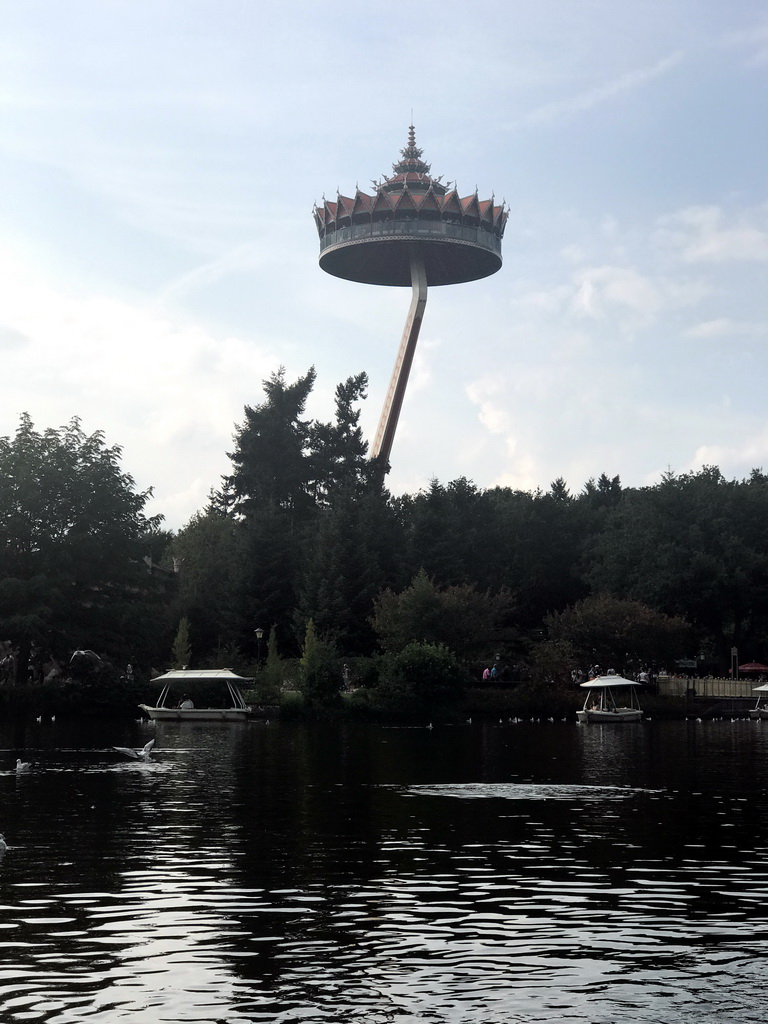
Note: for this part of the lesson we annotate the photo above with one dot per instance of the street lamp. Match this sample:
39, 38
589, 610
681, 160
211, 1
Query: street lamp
259, 634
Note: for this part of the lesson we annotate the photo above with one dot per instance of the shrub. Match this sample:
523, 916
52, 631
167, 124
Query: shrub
320, 677
419, 677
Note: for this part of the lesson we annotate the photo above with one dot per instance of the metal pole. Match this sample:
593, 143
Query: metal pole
385, 434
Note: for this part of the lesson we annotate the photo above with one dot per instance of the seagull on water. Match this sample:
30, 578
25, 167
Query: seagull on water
22, 766
137, 755
3, 844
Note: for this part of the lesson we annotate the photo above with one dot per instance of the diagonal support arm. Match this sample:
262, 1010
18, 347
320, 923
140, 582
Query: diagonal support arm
385, 434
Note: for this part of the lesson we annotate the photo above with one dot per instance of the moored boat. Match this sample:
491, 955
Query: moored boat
175, 705
760, 710
610, 698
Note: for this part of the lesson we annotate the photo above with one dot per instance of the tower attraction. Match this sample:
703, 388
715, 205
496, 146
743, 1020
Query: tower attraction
414, 230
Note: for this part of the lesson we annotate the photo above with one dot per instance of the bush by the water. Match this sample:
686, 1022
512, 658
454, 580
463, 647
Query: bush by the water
417, 678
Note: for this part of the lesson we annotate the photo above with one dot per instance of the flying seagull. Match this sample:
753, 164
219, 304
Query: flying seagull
137, 755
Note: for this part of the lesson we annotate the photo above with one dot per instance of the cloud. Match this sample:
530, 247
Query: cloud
600, 288
12, 339
242, 259
723, 327
600, 94
754, 40
738, 459
623, 295
491, 394
703, 234
166, 390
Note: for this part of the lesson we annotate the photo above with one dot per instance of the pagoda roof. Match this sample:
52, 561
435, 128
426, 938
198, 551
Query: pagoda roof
410, 202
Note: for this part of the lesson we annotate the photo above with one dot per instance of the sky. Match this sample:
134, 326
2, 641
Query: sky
160, 159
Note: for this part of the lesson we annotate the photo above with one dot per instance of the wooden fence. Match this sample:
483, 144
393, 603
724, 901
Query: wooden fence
678, 686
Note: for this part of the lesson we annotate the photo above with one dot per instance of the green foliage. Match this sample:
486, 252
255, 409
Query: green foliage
618, 634
73, 536
303, 531
694, 545
269, 678
552, 661
339, 466
320, 677
181, 654
92, 688
420, 677
344, 569
460, 618
270, 463
209, 554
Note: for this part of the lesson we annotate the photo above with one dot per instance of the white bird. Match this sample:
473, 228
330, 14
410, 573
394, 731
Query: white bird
137, 755
3, 844
22, 766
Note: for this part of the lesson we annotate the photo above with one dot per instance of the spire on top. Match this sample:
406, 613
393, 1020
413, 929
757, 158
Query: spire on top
410, 158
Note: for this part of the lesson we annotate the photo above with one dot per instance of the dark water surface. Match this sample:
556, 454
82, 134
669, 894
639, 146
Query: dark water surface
540, 871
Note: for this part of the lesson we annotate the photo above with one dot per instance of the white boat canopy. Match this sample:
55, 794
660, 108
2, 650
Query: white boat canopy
230, 679
601, 682
201, 675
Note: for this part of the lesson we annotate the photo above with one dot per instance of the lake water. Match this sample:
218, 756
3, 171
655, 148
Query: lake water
473, 874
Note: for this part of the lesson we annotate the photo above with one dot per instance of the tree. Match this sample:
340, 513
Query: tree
448, 529
693, 545
73, 534
270, 676
619, 634
181, 655
345, 565
209, 554
460, 618
288, 471
603, 494
271, 465
418, 678
558, 490
339, 462
319, 670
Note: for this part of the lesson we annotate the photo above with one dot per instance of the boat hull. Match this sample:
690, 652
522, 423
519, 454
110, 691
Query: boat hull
195, 714
619, 715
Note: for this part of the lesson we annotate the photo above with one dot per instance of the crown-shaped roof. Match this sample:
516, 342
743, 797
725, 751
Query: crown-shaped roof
370, 238
411, 172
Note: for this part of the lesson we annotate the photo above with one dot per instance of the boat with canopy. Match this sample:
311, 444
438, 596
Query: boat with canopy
185, 691
610, 698
760, 710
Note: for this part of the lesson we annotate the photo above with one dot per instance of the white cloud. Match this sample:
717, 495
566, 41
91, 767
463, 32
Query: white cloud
166, 390
526, 476
705, 234
489, 394
733, 459
754, 40
723, 327
589, 98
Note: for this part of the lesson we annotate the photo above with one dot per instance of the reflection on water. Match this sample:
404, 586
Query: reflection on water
526, 872
523, 791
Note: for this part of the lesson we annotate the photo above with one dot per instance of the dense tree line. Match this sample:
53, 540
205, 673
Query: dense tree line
303, 540
304, 529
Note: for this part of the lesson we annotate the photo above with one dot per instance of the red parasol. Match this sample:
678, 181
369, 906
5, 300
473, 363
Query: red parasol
753, 666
